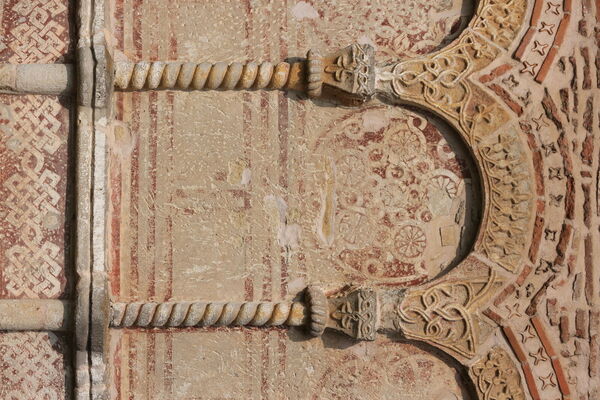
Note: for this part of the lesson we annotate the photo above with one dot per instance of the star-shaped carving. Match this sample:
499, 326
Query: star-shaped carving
511, 82
540, 47
528, 68
513, 311
549, 148
538, 356
550, 234
527, 334
555, 199
526, 97
553, 8
539, 122
547, 381
548, 28
555, 173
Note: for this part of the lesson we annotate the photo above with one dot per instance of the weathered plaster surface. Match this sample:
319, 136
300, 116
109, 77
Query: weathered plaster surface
242, 196
251, 196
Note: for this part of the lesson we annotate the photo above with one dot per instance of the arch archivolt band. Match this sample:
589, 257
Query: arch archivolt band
446, 313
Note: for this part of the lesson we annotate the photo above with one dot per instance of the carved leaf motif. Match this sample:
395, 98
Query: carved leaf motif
342, 66
354, 70
497, 378
510, 199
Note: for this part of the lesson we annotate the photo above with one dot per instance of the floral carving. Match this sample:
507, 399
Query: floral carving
410, 241
500, 20
511, 200
409, 29
352, 70
389, 189
496, 377
442, 82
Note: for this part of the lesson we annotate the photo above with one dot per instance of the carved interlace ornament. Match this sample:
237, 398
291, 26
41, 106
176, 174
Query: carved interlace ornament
446, 82
444, 314
355, 314
496, 377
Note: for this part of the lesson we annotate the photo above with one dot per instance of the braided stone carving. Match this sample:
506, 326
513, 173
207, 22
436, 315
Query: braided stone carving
202, 76
192, 314
349, 72
313, 313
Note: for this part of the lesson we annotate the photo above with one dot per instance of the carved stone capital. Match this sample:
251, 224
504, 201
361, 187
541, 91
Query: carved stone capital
351, 71
355, 314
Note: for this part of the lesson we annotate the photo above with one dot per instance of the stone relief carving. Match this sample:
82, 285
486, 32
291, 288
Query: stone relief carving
355, 313
444, 313
511, 198
379, 201
496, 377
440, 82
351, 70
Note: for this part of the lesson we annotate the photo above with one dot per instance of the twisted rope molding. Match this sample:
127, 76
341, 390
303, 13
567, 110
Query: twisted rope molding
203, 314
201, 76
312, 313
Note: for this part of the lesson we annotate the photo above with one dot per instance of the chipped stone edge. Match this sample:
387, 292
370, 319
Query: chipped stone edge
99, 297
89, 367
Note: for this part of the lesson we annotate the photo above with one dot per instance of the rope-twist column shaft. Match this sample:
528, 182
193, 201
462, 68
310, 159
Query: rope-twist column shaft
192, 314
202, 76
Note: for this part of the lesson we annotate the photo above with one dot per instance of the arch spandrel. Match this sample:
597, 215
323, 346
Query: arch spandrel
447, 313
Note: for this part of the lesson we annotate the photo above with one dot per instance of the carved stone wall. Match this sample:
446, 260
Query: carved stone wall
272, 193
34, 199
408, 212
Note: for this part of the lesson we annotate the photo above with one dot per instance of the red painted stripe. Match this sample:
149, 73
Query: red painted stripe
119, 24
537, 12
153, 150
115, 188
168, 371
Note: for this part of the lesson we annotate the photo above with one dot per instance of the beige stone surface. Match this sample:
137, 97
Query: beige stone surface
251, 196
436, 241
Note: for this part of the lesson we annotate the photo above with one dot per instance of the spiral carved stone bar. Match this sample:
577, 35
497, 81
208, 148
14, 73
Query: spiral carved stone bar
203, 314
207, 76
349, 72
352, 312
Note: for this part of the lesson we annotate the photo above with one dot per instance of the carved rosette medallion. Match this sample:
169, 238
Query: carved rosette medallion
496, 377
355, 314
